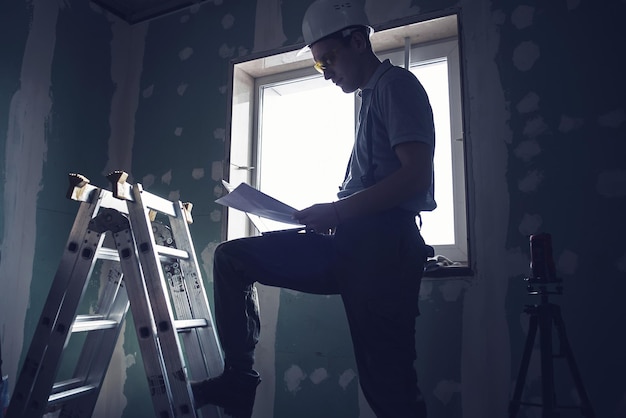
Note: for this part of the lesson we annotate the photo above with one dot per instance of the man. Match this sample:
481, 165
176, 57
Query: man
374, 259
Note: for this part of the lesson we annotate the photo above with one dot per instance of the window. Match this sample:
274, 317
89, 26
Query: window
292, 131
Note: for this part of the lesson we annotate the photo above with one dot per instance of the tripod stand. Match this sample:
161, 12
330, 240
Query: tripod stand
542, 317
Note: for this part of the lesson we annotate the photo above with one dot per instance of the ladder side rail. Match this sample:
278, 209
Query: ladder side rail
196, 332
41, 363
99, 345
161, 305
207, 339
204, 353
177, 281
144, 321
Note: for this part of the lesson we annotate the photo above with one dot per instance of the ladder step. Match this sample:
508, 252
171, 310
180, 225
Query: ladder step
66, 390
172, 252
111, 254
85, 323
183, 325
108, 254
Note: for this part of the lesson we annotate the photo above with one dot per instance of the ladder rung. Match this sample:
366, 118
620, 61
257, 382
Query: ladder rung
84, 323
187, 324
108, 254
68, 394
65, 385
111, 254
172, 252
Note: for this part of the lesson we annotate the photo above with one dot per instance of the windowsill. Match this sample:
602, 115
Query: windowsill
437, 270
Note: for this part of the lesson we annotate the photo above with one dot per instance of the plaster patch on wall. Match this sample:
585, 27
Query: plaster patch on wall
218, 191
112, 401
569, 124
197, 173
318, 376
530, 103
522, 16
25, 154
346, 378
185, 53
94, 7
525, 55
226, 51
531, 182
219, 133
182, 88
184, 19
426, 290
147, 180
524, 322
535, 126
530, 224
498, 17
567, 262
216, 215
242, 51
485, 327
445, 390
572, 4
127, 52
174, 195
131, 360
228, 21
451, 290
388, 10
217, 170
526, 150
612, 183
268, 25
178, 131
621, 263
293, 377
265, 354
294, 293
148, 91
167, 177
206, 257
613, 119
517, 262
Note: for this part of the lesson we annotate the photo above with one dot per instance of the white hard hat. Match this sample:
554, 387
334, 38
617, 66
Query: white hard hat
325, 17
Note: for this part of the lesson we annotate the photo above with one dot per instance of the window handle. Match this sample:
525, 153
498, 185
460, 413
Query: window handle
242, 167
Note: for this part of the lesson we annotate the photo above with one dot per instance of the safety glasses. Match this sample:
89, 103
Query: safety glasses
326, 61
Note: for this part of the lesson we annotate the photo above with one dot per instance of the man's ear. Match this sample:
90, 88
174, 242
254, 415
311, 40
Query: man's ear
358, 41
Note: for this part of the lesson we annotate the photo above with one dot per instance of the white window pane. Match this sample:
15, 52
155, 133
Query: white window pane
438, 225
306, 136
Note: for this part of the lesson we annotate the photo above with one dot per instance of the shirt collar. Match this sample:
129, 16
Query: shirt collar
384, 66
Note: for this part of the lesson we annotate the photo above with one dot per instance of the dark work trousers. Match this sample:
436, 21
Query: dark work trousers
375, 263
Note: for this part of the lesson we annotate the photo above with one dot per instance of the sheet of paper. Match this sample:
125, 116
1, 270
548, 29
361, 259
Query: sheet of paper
253, 201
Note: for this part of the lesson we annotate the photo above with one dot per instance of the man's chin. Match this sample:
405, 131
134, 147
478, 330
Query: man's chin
348, 89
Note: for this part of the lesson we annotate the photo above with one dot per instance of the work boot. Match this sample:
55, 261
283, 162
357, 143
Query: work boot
232, 390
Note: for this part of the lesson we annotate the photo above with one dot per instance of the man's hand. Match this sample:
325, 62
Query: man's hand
322, 217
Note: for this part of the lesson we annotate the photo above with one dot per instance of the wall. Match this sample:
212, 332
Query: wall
545, 132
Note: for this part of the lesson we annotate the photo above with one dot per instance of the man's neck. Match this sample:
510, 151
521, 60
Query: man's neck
370, 66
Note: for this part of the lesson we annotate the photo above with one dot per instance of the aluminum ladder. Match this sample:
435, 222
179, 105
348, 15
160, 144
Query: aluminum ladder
127, 249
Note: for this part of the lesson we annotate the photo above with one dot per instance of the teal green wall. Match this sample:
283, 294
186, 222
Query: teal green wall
545, 134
